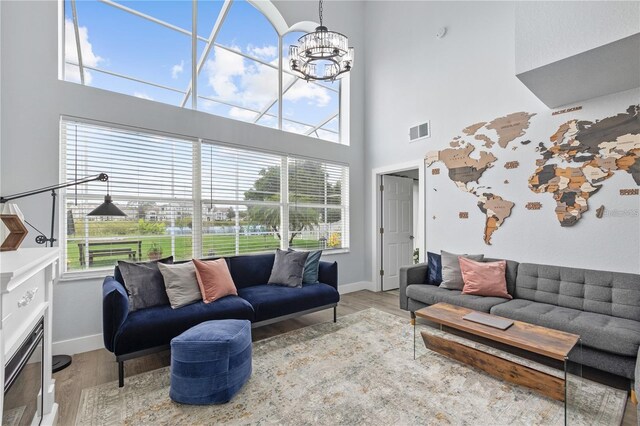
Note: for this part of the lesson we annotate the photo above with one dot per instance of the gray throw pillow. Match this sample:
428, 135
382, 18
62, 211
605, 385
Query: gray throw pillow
287, 268
451, 274
144, 283
181, 284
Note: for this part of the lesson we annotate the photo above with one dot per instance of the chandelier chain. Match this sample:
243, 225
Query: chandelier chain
320, 11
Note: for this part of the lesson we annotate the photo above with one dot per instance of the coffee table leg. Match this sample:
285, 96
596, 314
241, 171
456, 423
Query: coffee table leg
414, 338
572, 372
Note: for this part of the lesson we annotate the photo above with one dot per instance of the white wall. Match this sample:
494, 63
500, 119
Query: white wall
33, 99
466, 77
548, 31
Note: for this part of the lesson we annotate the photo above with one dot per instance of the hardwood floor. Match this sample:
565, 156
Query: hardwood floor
96, 367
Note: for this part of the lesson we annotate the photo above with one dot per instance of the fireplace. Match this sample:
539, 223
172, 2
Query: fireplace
23, 379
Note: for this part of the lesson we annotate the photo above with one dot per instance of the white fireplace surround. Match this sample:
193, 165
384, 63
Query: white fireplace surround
26, 287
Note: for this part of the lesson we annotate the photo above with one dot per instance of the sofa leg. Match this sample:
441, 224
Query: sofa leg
413, 318
120, 374
335, 314
634, 397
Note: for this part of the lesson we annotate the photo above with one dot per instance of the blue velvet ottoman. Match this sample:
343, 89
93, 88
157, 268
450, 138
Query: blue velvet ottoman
210, 362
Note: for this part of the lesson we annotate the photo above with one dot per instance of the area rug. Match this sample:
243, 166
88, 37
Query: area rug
359, 370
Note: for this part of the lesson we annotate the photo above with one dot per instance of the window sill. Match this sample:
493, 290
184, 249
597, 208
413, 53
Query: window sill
336, 251
69, 277
73, 276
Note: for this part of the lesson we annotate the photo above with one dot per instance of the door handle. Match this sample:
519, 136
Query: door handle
411, 237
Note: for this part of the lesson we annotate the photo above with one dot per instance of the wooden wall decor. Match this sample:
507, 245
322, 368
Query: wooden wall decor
17, 232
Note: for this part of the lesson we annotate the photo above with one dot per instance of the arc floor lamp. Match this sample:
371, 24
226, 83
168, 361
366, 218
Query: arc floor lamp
107, 208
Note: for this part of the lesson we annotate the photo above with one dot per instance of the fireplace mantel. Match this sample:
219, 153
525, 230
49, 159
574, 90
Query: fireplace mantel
26, 289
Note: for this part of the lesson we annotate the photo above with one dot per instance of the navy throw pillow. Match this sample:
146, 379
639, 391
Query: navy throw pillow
434, 268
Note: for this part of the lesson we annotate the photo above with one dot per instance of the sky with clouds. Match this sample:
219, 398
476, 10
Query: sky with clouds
123, 43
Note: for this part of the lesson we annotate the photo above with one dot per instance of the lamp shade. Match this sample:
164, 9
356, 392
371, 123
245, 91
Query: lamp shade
107, 209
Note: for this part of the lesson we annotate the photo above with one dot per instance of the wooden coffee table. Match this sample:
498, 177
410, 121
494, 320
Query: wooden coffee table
543, 341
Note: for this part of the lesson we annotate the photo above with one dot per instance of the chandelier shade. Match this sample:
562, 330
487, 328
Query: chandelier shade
321, 55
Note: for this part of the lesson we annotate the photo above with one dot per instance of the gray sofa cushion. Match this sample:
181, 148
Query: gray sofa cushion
431, 295
611, 334
608, 293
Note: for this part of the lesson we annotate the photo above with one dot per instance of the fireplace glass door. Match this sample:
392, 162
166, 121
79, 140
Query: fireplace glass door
23, 382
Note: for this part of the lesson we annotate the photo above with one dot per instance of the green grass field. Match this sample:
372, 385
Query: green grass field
212, 245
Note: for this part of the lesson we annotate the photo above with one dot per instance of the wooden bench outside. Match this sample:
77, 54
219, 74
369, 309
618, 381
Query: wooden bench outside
110, 248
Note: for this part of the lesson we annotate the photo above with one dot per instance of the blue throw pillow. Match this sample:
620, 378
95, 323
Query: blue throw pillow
434, 268
311, 267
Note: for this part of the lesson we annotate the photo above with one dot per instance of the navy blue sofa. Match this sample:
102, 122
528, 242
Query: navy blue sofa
132, 334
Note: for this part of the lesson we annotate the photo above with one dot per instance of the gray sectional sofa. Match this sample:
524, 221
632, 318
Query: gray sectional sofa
602, 307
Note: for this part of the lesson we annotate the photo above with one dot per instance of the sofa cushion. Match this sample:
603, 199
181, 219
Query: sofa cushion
618, 335
251, 269
288, 268
270, 301
484, 279
434, 271
451, 275
431, 295
510, 274
214, 279
144, 283
181, 284
151, 327
608, 293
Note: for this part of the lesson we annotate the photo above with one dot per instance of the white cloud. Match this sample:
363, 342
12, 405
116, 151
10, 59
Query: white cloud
242, 114
241, 81
221, 70
252, 85
264, 52
317, 95
142, 95
295, 127
72, 72
176, 70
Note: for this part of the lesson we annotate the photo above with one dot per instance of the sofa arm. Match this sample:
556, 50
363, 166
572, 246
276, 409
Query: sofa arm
328, 273
414, 274
115, 308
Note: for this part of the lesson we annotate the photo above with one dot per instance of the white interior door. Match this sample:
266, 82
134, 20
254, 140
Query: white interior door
397, 228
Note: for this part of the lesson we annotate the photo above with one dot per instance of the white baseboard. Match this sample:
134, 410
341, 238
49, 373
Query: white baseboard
78, 345
357, 286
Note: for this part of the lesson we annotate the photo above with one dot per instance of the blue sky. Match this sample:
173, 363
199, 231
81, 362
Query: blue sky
118, 41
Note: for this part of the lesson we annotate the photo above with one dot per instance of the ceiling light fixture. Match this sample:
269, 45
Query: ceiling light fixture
321, 55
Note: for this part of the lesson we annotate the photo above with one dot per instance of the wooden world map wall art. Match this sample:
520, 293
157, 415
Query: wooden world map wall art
580, 157
533, 205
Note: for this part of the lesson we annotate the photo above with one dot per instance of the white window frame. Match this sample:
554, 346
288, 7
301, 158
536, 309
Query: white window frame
196, 191
271, 14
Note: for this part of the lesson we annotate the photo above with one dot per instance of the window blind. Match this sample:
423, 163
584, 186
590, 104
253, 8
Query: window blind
318, 204
150, 179
241, 200
250, 201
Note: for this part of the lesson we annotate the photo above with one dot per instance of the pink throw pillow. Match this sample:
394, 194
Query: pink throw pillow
484, 278
214, 279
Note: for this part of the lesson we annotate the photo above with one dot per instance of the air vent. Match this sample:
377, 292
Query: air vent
420, 131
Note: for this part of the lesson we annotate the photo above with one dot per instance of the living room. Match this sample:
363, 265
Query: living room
189, 130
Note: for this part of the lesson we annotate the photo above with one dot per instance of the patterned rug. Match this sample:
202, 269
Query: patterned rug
359, 370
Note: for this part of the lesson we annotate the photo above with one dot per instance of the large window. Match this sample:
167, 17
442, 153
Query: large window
149, 49
192, 198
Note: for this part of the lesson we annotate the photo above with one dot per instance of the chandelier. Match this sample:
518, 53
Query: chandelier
321, 55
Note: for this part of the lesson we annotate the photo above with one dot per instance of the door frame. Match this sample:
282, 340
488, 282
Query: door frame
376, 205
